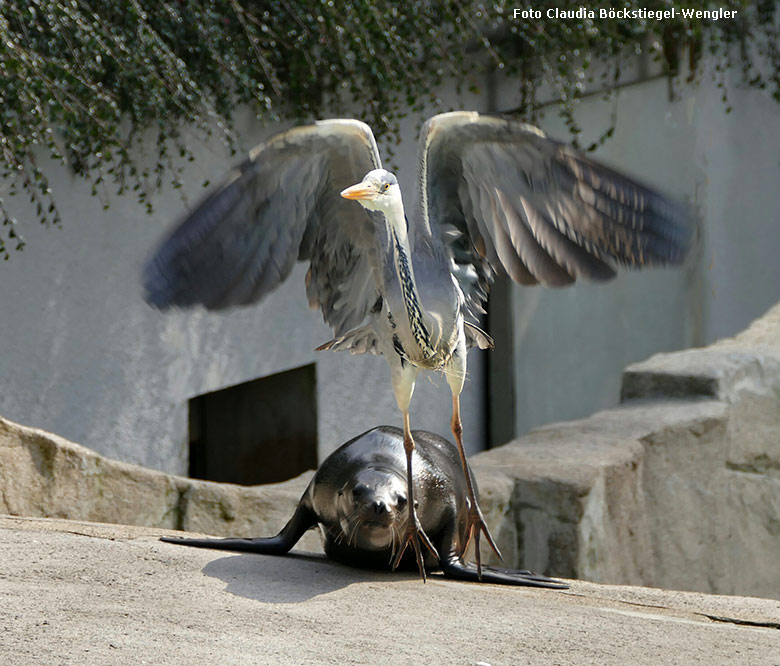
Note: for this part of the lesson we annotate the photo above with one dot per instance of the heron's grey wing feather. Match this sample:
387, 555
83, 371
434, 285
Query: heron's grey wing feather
280, 205
506, 196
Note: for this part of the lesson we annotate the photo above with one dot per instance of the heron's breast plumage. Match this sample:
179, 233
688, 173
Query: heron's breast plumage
428, 342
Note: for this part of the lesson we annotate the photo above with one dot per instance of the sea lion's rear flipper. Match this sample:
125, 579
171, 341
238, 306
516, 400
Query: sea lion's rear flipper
303, 519
455, 568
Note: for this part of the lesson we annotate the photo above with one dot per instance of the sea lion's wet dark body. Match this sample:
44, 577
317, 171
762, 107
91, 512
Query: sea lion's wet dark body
358, 497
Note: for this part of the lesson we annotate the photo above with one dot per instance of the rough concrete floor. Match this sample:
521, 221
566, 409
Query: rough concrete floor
86, 593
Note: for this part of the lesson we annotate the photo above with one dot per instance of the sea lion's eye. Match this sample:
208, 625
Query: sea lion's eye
400, 501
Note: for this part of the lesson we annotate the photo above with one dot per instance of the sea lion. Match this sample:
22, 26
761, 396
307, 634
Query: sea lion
358, 498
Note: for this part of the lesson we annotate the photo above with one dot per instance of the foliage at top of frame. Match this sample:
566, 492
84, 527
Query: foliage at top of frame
86, 79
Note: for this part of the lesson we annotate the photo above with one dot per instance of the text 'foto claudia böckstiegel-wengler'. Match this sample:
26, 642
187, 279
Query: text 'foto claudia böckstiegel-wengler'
584, 12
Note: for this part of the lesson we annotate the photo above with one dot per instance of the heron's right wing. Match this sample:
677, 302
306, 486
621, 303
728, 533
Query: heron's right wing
282, 204
509, 198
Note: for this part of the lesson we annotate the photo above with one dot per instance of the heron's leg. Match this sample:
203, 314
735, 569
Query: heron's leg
403, 379
476, 521
414, 531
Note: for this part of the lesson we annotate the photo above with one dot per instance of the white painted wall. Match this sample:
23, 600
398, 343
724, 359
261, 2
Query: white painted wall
572, 344
83, 356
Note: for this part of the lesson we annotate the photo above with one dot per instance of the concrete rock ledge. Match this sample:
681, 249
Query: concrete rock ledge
677, 488
92, 594
46, 476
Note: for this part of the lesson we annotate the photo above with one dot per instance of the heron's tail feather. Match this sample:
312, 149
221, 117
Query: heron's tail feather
476, 337
357, 341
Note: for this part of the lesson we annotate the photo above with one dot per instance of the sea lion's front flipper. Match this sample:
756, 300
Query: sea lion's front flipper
455, 568
303, 519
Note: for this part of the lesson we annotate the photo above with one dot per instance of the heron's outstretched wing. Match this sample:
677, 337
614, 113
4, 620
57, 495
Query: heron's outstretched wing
505, 196
280, 205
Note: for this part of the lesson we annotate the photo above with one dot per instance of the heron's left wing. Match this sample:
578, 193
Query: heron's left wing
281, 205
508, 198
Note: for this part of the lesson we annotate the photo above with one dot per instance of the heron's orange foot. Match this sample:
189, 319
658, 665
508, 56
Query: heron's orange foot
413, 535
477, 526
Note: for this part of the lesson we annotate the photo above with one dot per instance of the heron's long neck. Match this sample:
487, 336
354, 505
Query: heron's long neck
402, 258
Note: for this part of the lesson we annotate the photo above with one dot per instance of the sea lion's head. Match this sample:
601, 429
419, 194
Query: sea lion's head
372, 508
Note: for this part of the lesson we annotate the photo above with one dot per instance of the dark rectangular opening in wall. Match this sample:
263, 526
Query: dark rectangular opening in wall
262, 431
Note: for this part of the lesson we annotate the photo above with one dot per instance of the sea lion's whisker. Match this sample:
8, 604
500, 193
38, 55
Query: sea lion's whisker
353, 532
352, 520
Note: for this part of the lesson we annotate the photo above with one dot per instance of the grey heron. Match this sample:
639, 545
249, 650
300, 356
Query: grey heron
494, 194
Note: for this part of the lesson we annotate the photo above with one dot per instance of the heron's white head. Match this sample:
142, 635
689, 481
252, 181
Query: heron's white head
378, 190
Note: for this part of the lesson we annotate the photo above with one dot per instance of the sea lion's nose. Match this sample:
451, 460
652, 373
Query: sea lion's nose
380, 508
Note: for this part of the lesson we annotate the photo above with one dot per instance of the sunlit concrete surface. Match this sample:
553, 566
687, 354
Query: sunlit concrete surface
86, 593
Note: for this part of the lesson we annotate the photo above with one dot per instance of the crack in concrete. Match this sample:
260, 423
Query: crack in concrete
763, 624
761, 464
86, 534
746, 623
182, 505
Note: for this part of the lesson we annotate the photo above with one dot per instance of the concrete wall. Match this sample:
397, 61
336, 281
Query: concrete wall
570, 345
84, 357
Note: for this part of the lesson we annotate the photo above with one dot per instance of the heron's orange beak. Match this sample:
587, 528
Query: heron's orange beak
359, 191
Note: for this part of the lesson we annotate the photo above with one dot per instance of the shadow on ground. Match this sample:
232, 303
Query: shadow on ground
290, 578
